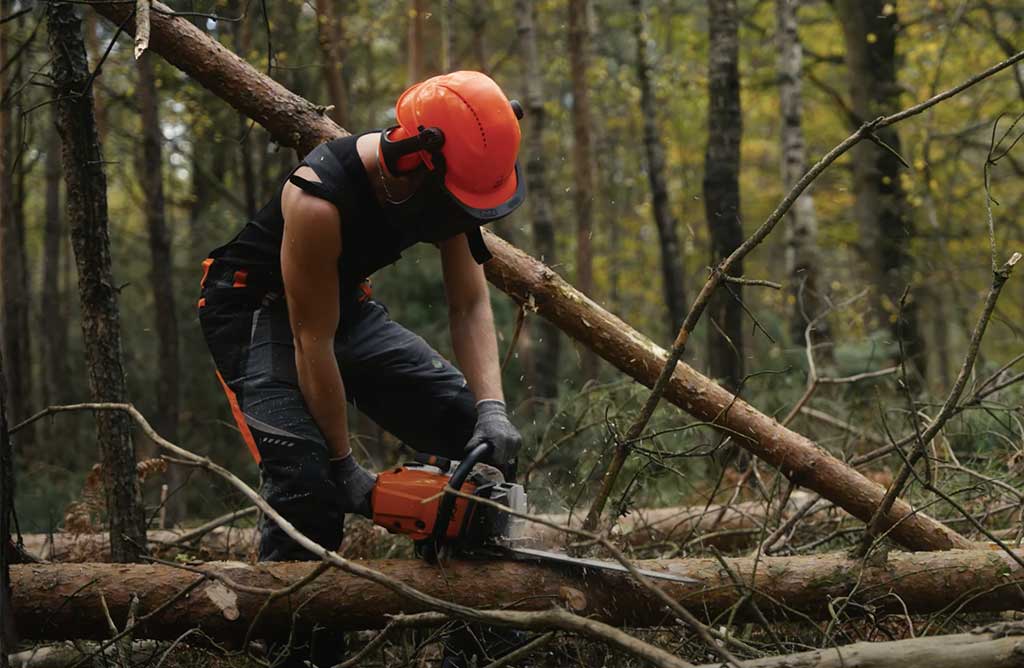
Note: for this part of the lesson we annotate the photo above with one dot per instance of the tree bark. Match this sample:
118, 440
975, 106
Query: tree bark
582, 157
880, 206
101, 331
547, 337
803, 263
161, 275
530, 282
671, 254
722, 189
999, 646
331, 37
58, 601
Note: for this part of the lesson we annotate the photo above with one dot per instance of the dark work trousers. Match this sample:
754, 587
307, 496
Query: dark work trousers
390, 374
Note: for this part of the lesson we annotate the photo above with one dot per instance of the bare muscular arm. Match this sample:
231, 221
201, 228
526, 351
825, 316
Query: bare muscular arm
470, 319
310, 249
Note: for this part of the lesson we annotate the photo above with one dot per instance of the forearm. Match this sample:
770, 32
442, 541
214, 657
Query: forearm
324, 392
476, 349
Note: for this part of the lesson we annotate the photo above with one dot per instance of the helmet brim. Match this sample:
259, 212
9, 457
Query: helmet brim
493, 205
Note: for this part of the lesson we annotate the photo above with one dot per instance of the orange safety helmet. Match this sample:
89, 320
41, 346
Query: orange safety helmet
464, 129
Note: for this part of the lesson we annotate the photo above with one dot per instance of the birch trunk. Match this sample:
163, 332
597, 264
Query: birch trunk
803, 264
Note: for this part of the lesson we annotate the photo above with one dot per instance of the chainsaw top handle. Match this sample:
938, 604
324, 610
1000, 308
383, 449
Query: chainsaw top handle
447, 504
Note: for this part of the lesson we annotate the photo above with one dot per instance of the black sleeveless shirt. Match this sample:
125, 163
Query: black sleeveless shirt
370, 238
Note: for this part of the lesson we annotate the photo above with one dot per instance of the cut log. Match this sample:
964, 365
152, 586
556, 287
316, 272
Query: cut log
999, 647
294, 121
60, 601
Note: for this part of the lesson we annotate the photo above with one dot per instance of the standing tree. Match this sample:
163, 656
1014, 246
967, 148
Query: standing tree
722, 189
547, 337
582, 158
886, 229
161, 271
671, 254
417, 14
331, 37
803, 264
86, 186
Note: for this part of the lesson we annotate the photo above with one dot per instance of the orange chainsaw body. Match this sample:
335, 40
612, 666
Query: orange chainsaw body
398, 501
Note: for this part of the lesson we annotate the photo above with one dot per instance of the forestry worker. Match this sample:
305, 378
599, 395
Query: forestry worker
287, 312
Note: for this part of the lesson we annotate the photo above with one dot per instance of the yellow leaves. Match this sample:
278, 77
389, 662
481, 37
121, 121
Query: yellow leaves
888, 9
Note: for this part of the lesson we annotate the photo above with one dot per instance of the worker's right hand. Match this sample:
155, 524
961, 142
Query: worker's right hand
355, 485
493, 426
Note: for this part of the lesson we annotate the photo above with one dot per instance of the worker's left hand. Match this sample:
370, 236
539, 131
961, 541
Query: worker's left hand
493, 426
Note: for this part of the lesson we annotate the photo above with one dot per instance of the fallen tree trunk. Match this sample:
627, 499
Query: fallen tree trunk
724, 527
60, 601
294, 121
999, 647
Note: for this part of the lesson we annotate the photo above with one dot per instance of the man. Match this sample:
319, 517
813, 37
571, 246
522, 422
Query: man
287, 313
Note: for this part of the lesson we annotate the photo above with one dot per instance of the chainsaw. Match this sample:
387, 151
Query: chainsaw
410, 499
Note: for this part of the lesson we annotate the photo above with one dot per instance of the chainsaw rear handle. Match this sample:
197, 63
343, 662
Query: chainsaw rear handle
447, 505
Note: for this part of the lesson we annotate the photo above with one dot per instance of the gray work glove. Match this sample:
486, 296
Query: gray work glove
355, 485
493, 426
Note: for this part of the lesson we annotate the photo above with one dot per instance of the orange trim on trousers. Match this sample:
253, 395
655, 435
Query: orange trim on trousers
243, 427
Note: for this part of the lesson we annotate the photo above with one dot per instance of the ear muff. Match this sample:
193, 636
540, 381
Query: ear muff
402, 153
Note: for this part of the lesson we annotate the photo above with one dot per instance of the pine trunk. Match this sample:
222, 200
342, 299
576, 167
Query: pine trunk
417, 68
722, 190
672, 274
86, 186
547, 338
332, 49
582, 158
57, 601
161, 275
886, 227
